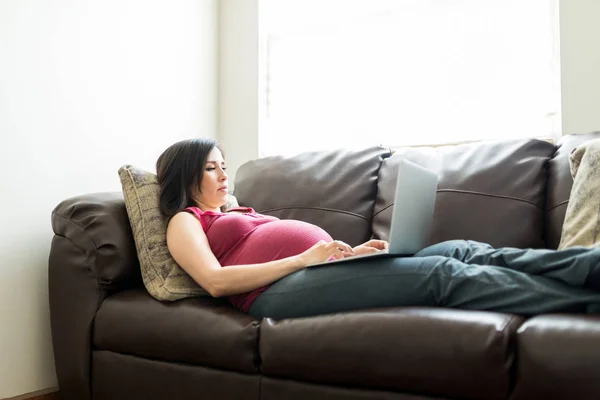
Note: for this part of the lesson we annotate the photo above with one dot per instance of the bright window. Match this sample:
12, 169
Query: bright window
338, 73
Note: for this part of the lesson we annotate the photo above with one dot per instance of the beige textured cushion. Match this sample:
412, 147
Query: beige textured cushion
582, 219
163, 277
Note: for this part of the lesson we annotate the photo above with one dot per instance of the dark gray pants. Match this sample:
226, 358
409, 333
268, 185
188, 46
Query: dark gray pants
457, 274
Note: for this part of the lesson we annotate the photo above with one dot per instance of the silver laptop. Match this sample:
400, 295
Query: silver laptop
412, 214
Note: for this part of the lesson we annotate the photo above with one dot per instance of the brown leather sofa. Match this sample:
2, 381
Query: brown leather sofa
113, 341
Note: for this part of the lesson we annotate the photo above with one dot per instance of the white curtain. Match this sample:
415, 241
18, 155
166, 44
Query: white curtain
348, 73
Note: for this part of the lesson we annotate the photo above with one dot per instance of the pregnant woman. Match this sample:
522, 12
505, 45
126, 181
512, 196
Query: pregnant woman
260, 263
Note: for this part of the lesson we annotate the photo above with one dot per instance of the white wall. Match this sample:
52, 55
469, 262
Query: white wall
238, 81
580, 80
85, 87
580, 63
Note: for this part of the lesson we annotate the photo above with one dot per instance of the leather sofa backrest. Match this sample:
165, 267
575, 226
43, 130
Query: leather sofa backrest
333, 189
488, 191
560, 183
491, 191
98, 226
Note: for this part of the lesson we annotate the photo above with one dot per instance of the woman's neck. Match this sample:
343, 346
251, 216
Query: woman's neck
206, 207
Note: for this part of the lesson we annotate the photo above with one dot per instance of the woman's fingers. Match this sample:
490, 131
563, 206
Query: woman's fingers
378, 244
338, 249
342, 247
370, 249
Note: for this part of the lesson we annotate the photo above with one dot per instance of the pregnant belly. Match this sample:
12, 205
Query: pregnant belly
275, 240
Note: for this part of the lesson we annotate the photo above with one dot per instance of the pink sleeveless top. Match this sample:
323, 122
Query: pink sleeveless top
252, 238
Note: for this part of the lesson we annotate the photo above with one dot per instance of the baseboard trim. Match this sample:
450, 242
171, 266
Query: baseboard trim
45, 394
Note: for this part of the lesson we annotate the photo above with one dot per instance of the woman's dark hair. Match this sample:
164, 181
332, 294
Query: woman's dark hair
180, 168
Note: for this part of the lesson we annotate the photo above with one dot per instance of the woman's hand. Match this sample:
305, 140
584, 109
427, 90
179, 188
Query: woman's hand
372, 246
323, 251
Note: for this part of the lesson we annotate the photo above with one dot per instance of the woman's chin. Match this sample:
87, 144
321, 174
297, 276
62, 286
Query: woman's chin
222, 201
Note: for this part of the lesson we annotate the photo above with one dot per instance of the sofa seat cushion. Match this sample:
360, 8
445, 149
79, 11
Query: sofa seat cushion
558, 358
452, 353
201, 331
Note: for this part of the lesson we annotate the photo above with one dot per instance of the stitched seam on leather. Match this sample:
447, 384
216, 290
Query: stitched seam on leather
95, 255
511, 355
314, 208
257, 362
260, 377
83, 253
557, 205
382, 210
508, 321
90, 340
499, 196
163, 360
100, 283
78, 226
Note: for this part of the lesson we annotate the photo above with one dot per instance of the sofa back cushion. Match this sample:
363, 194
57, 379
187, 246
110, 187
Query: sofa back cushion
490, 191
335, 189
560, 183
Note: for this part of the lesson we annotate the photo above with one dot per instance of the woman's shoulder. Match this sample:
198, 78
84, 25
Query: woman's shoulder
182, 220
196, 211
184, 215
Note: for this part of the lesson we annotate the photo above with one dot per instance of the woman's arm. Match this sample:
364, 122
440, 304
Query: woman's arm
189, 247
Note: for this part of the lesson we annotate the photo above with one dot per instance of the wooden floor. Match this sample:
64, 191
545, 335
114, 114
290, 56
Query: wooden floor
37, 396
49, 396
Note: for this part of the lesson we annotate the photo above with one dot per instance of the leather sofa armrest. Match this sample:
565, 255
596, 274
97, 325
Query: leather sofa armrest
74, 295
92, 255
98, 225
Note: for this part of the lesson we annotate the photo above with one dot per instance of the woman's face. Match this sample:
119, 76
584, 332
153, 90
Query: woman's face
213, 187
